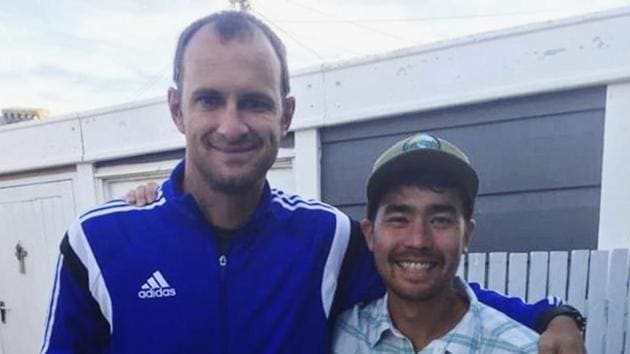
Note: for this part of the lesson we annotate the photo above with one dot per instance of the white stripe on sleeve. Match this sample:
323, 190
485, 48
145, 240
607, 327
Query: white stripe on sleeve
82, 248
335, 260
53, 305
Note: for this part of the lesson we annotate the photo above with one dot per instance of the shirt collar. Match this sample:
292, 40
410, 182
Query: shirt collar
381, 324
471, 323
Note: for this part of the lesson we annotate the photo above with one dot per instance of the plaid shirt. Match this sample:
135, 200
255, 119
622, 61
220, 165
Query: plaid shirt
369, 329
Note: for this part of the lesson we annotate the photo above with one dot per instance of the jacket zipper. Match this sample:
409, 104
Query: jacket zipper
223, 303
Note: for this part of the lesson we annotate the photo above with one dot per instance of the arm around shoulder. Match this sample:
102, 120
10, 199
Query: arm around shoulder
561, 326
535, 315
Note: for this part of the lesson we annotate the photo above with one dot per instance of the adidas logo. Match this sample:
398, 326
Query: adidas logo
156, 286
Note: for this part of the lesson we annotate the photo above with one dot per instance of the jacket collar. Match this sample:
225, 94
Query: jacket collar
186, 204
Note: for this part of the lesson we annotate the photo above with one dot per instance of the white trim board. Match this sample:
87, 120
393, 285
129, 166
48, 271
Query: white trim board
561, 55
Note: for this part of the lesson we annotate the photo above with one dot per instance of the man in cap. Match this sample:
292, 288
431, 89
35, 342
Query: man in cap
421, 196
220, 262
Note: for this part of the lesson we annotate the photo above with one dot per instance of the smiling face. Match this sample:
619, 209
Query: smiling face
230, 109
417, 237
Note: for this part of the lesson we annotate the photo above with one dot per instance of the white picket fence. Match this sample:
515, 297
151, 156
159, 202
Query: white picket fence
595, 282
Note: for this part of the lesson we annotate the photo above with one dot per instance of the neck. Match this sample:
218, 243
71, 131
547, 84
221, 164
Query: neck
226, 210
427, 320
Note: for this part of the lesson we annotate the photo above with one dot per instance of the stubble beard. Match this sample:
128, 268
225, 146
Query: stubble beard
244, 182
238, 184
424, 296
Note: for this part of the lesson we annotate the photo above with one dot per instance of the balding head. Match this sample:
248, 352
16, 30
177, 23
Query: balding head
230, 25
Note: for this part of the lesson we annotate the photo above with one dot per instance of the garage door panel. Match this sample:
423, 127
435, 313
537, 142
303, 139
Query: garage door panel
33, 216
543, 145
537, 221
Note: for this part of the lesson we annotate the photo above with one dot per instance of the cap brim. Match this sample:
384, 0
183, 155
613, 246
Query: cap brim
421, 162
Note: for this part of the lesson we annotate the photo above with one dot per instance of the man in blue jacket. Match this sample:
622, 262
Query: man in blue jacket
220, 262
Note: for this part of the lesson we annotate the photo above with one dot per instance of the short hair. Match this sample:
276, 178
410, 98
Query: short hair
227, 25
434, 181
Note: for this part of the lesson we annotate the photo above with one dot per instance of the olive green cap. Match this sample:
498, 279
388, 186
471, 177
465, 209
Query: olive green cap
423, 154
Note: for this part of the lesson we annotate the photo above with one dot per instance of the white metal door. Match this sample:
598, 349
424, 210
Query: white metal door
33, 218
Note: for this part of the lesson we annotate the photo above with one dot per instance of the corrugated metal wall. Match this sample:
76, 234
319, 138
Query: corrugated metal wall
539, 159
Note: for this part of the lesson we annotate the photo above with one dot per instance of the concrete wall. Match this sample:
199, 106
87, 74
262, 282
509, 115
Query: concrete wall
557, 55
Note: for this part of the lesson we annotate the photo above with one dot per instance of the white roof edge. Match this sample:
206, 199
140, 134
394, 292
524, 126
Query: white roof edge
30, 123
123, 106
468, 39
84, 114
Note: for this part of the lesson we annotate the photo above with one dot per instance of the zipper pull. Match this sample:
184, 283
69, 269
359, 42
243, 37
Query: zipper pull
222, 261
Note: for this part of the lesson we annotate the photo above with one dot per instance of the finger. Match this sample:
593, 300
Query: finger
151, 192
141, 194
130, 197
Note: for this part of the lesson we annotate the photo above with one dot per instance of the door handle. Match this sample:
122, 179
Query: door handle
3, 312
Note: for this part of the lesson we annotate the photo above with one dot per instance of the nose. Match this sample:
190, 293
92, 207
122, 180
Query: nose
231, 126
421, 235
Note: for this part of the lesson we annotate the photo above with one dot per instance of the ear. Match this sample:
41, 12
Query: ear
367, 227
468, 234
288, 108
175, 106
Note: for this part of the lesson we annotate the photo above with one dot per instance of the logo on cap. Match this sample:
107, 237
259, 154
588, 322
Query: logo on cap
422, 141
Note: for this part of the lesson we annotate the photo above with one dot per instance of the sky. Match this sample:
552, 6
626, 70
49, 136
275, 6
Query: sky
76, 55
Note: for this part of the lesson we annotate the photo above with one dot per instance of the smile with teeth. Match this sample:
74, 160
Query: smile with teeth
416, 265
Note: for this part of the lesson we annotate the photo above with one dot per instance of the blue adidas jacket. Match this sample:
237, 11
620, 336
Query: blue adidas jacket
152, 280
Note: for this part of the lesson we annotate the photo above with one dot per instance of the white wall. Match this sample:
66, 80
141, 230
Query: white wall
582, 51
614, 212
306, 166
129, 130
40, 144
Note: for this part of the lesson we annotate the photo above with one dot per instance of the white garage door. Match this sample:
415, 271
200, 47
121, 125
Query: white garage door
33, 219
